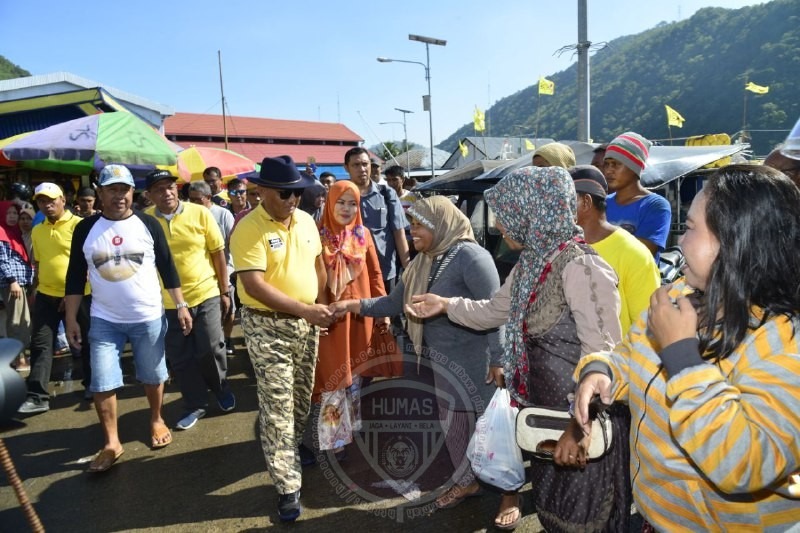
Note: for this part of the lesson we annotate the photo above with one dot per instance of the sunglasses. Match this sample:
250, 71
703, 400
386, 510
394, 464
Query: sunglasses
285, 194
239, 192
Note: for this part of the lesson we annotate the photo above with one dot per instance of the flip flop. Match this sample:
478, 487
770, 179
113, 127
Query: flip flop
160, 436
512, 525
104, 460
457, 500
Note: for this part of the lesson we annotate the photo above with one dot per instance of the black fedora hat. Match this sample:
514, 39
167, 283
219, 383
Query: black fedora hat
281, 173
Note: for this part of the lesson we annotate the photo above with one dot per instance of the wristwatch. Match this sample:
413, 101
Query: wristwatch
181, 305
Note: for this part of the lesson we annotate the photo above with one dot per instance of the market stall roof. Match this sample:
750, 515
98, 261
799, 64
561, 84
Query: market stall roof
665, 164
39, 112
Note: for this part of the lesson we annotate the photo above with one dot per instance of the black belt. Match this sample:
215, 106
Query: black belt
271, 314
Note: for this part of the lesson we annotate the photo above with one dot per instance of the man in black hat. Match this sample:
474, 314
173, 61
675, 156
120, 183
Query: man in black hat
277, 252
199, 358
630, 259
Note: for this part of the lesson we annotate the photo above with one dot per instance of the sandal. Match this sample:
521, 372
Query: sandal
506, 512
160, 436
104, 460
452, 500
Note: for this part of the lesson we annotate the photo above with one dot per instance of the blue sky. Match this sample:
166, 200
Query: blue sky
315, 59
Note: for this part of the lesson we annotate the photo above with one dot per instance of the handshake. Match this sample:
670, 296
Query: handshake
324, 315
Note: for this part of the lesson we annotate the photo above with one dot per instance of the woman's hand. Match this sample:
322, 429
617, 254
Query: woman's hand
497, 376
670, 322
382, 325
426, 305
572, 446
593, 384
339, 309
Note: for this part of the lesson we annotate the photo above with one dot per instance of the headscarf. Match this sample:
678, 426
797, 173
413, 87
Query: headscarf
309, 199
11, 234
449, 226
538, 209
557, 154
344, 248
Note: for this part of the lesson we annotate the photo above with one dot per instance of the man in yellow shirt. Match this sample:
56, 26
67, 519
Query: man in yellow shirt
277, 252
630, 259
198, 360
51, 240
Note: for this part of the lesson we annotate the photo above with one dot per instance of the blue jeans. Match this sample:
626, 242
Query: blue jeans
107, 341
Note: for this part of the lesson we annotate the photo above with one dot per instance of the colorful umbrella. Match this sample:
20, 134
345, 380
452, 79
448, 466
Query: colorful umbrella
193, 161
115, 137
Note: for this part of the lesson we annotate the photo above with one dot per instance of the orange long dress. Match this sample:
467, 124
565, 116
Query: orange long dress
345, 345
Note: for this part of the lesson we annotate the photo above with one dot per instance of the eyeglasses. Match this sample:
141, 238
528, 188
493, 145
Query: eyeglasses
237, 192
285, 194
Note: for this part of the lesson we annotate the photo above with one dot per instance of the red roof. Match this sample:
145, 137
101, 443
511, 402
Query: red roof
324, 154
182, 124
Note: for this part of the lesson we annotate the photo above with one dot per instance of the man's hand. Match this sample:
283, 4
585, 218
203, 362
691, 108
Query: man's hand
15, 290
185, 320
225, 304
497, 376
426, 305
73, 331
593, 384
318, 315
670, 322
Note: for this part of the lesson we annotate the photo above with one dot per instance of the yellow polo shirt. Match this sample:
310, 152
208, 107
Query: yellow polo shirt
286, 256
192, 235
51, 248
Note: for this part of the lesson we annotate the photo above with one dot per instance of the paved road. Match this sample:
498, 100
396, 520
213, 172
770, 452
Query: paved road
211, 478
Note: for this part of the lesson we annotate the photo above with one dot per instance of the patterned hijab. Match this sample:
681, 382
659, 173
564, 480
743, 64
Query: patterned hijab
343, 247
538, 209
449, 226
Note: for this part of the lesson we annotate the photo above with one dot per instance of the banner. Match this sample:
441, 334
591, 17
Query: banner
674, 118
758, 89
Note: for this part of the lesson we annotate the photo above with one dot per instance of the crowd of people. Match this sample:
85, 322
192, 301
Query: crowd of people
698, 378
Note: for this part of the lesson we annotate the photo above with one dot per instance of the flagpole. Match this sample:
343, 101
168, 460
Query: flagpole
538, 104
744, 113
669, 128
222, 93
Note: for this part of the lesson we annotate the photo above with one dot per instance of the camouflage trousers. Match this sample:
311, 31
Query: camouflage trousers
283, 352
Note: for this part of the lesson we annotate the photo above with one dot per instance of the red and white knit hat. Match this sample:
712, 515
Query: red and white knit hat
630, 149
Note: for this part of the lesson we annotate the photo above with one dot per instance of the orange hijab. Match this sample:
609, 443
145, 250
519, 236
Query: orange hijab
344, 248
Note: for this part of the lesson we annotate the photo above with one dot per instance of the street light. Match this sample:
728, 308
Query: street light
426, 100
405, 137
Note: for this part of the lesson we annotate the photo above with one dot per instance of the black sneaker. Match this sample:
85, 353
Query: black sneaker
289, 506
34, 406
229, 346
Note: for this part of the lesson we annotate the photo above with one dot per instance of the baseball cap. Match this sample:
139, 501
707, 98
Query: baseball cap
51, 190
112, 174
589, 180
156, 176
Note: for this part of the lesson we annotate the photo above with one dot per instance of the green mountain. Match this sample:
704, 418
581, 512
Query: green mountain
9, 70
698, 66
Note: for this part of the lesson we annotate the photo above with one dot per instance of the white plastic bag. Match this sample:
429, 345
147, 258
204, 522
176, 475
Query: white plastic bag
493, 452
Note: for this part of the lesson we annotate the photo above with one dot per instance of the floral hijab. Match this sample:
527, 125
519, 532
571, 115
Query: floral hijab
538, 209
344, 248
449, 227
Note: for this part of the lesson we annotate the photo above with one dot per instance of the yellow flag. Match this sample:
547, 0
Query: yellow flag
546, 86
464, 150
758, 89
529, 145
478, 120
674, 118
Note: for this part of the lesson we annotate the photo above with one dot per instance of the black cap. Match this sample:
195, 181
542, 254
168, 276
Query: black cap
589, 180
157, 175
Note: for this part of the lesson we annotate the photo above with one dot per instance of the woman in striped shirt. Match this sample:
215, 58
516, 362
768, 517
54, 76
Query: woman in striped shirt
712, 372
